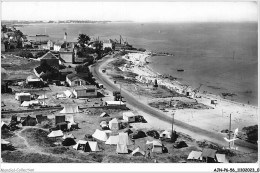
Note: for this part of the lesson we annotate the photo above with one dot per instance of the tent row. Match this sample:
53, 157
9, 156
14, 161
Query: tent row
207, 155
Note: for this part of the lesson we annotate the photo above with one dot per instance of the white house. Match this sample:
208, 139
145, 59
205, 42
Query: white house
57, 46
85, 91
75, 80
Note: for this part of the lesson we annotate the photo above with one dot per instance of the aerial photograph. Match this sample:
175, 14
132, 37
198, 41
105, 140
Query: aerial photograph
129, 82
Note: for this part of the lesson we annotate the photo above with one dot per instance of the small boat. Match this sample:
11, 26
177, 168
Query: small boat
180, 70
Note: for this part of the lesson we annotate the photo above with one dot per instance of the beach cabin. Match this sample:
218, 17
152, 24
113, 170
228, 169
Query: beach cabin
23, 97
75, 80
129, 117
85, 91
50, 59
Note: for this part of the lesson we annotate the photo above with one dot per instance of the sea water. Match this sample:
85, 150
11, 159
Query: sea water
220, 56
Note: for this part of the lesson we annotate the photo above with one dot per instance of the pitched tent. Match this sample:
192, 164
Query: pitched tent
55, 133
104, 114
80, 142
157, 146
4, 126
209, 154
68, 93
25, 104
138, 152
59, 119
100, 135
68, 142
114, 124
41, 97
93, 146
69, 136
124, 139
195, 155
129, 116
69, 118
103, 123
70, 109
165, 134
121, 149
112, 140
221, 158
29, 121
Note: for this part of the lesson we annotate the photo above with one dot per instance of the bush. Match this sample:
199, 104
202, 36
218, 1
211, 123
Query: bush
26, 54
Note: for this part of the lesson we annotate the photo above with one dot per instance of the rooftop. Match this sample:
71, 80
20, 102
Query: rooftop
85, 87
48, 55
75, 76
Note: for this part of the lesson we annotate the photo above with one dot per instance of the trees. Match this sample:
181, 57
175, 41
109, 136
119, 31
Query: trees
83, 39
40, 54
26, 54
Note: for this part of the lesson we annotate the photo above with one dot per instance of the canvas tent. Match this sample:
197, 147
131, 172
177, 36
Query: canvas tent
29, 121
93, 146
123, 138
221, 158
69, 118
165, 134
70, 109
115, 103
104, 114
195, 155
157, 146
129, 116
26, 95
114, 124
55, 133
208, 155
68, 136
121, 149
4, 126
138, 152
59, 119
112, 140
86, 146
41, 97
68, 93
60, 96
100, 135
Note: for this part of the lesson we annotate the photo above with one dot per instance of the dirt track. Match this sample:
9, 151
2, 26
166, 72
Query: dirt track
195, 132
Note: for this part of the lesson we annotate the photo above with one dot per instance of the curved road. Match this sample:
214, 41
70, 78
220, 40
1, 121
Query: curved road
188, 129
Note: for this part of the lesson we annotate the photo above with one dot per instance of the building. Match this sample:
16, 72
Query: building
108, 44
34, 81
85, 91
50, 59
67, 55
57, 46
50, 45
75, 80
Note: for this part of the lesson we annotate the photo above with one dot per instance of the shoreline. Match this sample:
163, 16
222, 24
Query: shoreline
214, 95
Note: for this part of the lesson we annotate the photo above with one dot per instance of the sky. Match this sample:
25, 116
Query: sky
133, 11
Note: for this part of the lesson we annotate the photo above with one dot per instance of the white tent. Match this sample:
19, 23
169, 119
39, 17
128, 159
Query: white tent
78, 143
68, 93
196, 155
114, 124
103, 124
129, 116
138, 152
121, 149
221, 158
42, 97
123, 138
157, 146
69, 118
4, 142
25, 103
17, 95
55, 133
93, 145
69, 136
100, 135
60, 96
70, 109
114, 103
165, 134
104, 114
112, 140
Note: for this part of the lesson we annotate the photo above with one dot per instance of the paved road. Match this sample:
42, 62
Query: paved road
188, 129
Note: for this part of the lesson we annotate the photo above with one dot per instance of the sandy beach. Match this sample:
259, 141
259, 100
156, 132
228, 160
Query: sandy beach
215, 119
